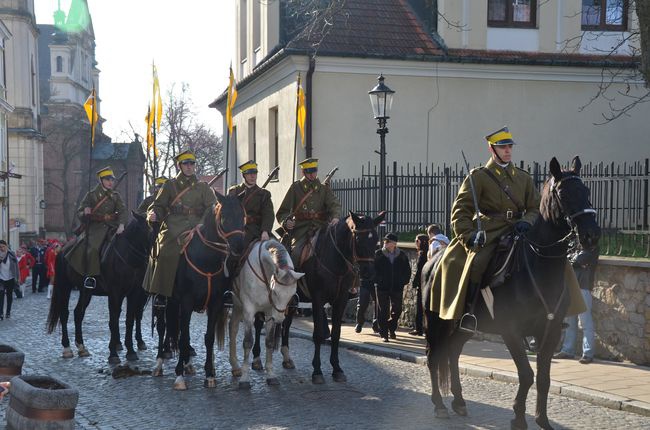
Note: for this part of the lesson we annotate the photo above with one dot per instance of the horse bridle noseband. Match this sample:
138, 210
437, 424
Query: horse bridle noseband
264, 278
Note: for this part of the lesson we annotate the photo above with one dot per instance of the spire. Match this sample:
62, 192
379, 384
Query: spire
78, 16
59, 17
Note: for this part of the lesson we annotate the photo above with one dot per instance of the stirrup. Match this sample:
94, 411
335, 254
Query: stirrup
159, 301
227, 299
90, 282
468, 323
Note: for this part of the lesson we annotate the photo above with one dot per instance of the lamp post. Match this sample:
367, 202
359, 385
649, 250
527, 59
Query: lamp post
381, 99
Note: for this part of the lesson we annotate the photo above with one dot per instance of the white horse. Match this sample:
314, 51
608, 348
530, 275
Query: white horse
265, 285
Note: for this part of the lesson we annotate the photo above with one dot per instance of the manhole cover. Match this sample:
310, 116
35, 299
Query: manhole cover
341, 394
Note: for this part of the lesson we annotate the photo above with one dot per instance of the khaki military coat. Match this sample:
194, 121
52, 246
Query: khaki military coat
113, 212
259, 209
314, 212
453, 273
184, 215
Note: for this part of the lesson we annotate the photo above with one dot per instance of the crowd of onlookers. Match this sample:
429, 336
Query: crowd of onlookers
31, 264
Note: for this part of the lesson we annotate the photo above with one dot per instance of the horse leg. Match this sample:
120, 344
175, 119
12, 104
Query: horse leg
317, 315
114, 310
272, 332
544, 357
171, 332
79, 312
337, 318
526, 378
244, 381
140, 303
159, 315
131, 305
434, 350
210, 374
63, 318
233, 328
258, 324
456, 343
183, 343
287, 362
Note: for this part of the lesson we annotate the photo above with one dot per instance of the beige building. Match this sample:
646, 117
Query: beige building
25, 139
534, 66
5, 109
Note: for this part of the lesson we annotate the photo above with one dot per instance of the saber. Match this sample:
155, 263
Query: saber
328, 178
268, 178
480, 233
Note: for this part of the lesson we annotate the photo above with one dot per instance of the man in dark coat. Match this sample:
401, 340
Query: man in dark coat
392, 272
39, 270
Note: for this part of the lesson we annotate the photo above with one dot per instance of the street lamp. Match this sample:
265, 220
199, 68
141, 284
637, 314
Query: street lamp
381, 99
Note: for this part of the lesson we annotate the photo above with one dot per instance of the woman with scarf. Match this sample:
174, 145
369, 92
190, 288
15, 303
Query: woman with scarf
8, 277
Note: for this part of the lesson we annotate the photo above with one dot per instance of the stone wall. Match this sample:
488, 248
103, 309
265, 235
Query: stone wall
621, 308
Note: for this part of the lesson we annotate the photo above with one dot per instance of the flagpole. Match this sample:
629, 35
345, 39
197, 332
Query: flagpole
295, 133
90, 164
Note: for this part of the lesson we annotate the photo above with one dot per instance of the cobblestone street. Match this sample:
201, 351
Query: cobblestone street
381, 393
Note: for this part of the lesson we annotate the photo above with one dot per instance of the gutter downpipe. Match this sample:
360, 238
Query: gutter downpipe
310, 73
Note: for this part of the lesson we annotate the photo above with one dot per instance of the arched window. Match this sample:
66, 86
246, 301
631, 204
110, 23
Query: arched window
59, 64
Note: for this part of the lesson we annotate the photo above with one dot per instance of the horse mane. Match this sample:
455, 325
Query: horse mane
278, 253
548, 207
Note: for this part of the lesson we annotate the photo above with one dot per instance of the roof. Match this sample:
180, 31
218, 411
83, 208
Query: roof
540, 58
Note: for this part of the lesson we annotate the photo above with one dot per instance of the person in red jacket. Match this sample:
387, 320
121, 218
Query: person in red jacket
50, 261
25, 263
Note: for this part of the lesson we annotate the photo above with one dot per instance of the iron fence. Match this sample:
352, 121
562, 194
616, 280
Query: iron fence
419, 195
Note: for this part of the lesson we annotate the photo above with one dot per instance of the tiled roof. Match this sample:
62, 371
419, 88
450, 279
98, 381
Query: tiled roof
386, 28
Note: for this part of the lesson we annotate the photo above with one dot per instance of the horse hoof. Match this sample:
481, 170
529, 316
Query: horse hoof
84, 353
244, 385
257, 365
317, 379
518, 425
132, 356
339, 377
460, 410
179, 384
167, 355
192, 352
157, 372
210, 383
142, 346
189, 370
119, 347
273, 381
236, 372
67, 353
288, 364
441, 413
113, 360
543, 423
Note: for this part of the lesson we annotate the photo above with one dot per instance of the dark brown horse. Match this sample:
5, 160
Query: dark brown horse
533, 302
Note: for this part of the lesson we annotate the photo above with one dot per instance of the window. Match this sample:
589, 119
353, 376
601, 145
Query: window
604, 15
512, 13
243, 31
59, 64
273, 138
252, 143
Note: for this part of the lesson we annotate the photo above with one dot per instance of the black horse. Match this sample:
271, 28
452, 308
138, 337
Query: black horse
123, 266
201, 279
533, 302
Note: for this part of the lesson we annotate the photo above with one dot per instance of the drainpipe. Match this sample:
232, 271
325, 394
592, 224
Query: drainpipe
310, 74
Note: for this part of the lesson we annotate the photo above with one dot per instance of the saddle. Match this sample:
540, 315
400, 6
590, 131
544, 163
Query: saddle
504, 262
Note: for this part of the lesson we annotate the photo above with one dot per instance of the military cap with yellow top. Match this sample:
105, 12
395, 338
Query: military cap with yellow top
248, 167
186, 156
310, 165
500, 137
159, 181
105, 173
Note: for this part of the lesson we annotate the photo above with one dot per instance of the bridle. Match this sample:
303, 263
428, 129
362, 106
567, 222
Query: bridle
221, 247
265, 279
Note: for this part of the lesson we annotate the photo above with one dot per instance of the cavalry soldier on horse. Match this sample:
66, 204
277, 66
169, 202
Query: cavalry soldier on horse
178, 207
256, 202
500, 198
307, 206
144, 206
101, 211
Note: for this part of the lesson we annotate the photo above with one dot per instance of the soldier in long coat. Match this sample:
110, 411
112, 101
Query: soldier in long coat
144, 206
178, 207
257, 203
466, 259
102, 210
307, 206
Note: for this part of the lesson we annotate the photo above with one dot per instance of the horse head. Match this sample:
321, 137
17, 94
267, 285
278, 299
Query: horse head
139, 230
229, 218
568, 197
364, 241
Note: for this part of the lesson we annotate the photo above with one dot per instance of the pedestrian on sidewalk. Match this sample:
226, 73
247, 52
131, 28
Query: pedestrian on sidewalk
584, 262
39, 272
366, 294
437, 241
25, 263
50, 263
422, 246
392, 272
8, 278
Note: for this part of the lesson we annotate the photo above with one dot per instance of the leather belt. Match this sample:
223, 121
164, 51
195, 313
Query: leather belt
309, 216
184, 210
504, 215
103, 218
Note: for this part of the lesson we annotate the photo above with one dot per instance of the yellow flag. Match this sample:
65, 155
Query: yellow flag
91, 110
301, 112
150, 142
232, 98
157, 100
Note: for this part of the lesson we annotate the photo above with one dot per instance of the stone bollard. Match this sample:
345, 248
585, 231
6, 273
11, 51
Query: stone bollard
11, 362
41, 402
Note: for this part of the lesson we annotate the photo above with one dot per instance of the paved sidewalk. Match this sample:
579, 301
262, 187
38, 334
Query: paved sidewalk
620, 386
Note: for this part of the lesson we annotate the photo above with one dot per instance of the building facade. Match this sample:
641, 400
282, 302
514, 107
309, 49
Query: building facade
458, 75
5, 109
25, 141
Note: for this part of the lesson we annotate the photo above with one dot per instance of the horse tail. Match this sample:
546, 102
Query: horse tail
60, 283
438, 335
443, 365
220, 332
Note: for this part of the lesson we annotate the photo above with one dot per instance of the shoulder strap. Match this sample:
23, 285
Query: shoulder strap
248, 197
304, 198
181, 194
99, 203
505, 189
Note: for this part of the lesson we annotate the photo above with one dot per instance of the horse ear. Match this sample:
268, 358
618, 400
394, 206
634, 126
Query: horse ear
379, 218
576, 165
296, 275
355, 218
556, 169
